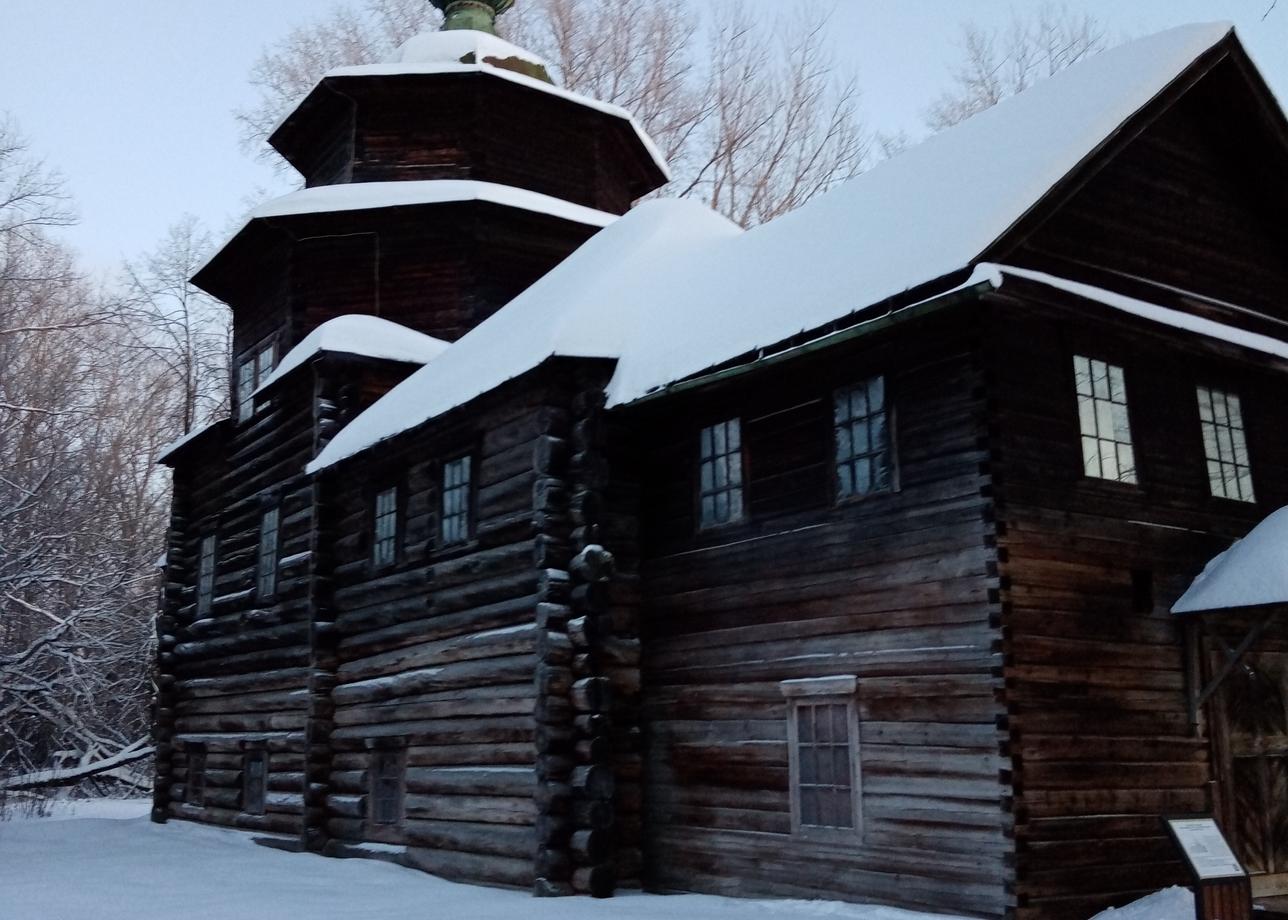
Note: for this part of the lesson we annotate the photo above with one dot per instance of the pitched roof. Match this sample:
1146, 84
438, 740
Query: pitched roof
1252, 572
671, 289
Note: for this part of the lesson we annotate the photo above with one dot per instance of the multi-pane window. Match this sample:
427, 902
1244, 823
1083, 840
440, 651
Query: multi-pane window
384, 548
386, 802
266, 567
253, 372
206, 575
1107, 451
860, 422
720, 474
195, 793
455, 511
1225, 445
822, 736
255, 782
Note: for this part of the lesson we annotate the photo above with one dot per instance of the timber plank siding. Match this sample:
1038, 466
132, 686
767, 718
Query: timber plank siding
895, 588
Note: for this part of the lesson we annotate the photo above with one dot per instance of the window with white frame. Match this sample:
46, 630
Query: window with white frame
720, 489
384, 547
823, 755
860, 423
454, 511
206, 575
386, 800
1225, 445
1107, 451
266, 574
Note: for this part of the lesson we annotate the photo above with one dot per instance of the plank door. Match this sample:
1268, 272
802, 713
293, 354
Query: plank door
1256, 709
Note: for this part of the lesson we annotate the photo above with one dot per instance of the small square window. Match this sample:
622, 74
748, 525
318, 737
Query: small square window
206, 575
455, 511
1107, 451
1225, 445
388, 769
255, 782
720, 488
266, 575
862, 434
384, 548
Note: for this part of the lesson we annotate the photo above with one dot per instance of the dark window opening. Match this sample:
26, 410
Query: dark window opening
266, 579
861, 424
195, 794
206, 575
387, 774
825, 773
720, 495
384, 549
255, 782
455, 512
1142, 591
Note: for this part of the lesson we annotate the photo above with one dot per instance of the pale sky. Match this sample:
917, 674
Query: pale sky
133, 100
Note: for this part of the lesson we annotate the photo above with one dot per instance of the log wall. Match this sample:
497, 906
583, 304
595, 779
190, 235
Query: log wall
1095, 665
897, 589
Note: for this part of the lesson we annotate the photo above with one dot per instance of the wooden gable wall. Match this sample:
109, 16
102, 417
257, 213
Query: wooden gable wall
1194, 199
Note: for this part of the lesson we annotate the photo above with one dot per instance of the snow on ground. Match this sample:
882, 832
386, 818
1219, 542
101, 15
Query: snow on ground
1168, 904
131, 869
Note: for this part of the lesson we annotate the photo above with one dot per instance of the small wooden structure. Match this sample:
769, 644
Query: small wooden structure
877, 611
1221, 887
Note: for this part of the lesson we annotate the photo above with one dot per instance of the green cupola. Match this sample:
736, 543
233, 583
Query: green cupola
479, 15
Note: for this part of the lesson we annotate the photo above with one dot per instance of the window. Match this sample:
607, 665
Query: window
822, 738
206, 575
195, 794
384, 550
255, 782
720, 488
252, 373
1107, 451
386, 802
862, 439
266, 576
455, 511
1225, 445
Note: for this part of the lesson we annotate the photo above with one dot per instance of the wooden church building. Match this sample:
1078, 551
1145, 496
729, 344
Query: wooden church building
564, 544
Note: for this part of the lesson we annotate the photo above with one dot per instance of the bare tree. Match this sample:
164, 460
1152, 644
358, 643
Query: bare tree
186, 331
755, 124
1002, 62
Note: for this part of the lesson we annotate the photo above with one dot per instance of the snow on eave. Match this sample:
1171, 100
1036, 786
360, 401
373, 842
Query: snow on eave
362, 335
365, 196
181, 442
1167, 316
1251, 573
431, 68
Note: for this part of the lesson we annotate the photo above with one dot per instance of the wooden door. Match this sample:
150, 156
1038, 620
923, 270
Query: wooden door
1256, 709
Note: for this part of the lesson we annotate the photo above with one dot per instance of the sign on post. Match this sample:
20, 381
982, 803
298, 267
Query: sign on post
1222, 889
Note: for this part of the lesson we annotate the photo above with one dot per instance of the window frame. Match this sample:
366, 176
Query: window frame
889, 451
824, 691
253, 370
375, 557
468, 511
1240, 433
375, 791
205, 587
194, 790
254, 800
266, 560
1095, 435
743, 515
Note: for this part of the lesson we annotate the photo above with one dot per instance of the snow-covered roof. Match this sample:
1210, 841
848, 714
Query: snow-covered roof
1252, 572
363, 196
183, 441
434, 53
672, 289
359, 334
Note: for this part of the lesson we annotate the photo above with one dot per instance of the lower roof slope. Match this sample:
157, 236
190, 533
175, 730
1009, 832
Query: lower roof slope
672, 289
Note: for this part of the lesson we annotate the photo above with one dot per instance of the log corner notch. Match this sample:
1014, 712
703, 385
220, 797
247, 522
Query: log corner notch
575, 774
177, 573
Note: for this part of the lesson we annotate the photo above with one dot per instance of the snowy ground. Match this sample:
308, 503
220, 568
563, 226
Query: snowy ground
105, 860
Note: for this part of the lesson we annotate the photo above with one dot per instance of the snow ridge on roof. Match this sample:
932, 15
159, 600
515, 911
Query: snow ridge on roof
359, 334
667, 310
185, 439
1252, 572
